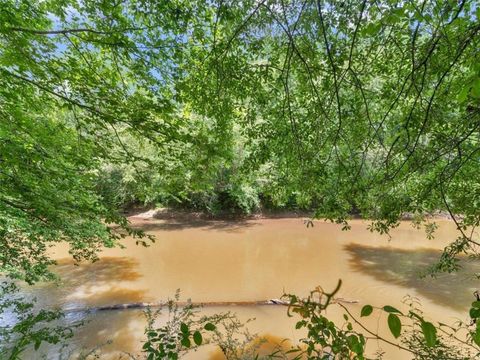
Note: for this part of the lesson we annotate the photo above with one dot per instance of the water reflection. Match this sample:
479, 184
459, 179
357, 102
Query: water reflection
405, 267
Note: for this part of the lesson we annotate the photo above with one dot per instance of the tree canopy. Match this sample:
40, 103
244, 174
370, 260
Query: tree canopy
342, 107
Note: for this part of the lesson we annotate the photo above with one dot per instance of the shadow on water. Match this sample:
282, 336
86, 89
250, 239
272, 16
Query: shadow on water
105, 282
405, 267
107, 269
179, 224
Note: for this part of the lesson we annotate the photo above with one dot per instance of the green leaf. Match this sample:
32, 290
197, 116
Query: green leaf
430, 333
476, 304
476, 88
209, 327
184, 328
474, 313
394, 325
300, 324
352, 340
463, 94
186, 342
197, 338
366, 310
372, 28
391, 309
354, 344
476, 335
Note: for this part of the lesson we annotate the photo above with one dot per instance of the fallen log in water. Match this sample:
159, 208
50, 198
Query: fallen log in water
143, 305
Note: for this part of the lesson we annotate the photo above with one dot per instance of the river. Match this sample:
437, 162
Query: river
252, 260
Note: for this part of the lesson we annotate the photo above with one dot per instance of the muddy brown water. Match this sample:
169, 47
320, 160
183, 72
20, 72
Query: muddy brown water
221, 261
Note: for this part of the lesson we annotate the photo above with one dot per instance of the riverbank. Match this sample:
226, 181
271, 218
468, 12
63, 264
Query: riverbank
166, 213
185, 214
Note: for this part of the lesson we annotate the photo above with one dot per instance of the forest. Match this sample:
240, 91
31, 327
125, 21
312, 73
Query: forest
341, 109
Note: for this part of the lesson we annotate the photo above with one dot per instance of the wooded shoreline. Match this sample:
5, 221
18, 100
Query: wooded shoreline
166, 213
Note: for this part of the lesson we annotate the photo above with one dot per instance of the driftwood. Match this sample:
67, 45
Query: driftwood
143, 305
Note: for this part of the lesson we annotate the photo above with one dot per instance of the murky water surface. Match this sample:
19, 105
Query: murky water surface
254, 260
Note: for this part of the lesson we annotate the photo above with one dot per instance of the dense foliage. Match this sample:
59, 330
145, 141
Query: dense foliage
359, 107
366, 107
